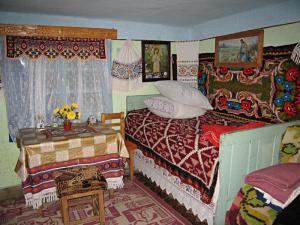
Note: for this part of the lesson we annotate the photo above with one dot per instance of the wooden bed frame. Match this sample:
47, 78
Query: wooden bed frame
241, 152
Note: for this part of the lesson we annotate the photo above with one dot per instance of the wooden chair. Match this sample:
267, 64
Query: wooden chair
116, 121
81, 185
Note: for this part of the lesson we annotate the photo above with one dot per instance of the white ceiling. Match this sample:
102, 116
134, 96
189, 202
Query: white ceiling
166, 12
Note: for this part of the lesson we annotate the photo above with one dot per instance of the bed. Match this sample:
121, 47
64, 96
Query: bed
208, 196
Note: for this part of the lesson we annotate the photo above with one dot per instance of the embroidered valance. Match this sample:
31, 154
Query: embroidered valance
53, 47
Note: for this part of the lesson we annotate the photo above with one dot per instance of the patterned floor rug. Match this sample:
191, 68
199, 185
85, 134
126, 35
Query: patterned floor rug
135, 204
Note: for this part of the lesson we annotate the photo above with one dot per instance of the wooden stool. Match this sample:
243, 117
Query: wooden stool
83, 183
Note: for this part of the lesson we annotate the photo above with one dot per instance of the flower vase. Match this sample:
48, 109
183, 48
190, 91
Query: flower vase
67, 125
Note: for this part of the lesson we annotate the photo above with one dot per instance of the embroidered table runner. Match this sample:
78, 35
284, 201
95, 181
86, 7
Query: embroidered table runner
44, 151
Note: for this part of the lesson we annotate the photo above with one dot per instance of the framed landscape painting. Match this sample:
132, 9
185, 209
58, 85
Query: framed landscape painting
242, 49
155, 60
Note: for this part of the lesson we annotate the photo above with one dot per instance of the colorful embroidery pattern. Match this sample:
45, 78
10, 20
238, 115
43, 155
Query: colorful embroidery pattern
52, 47
127, 71
187, 70
270, 93
287, 96
290, 146
176, 145
250, 207
42, 177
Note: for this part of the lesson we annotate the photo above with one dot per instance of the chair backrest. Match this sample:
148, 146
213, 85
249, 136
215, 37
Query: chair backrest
115, 121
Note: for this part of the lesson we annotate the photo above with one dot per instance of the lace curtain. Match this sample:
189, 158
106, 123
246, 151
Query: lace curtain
34, 87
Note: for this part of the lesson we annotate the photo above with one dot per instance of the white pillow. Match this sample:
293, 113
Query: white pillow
183, 93
168, 108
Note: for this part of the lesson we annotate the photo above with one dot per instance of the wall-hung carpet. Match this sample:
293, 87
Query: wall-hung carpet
134, 204
270, 92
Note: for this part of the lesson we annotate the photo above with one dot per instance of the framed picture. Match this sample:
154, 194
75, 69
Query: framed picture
242, 49
155, 60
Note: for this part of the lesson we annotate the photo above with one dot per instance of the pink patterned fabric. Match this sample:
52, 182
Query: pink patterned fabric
133, 204
279, 180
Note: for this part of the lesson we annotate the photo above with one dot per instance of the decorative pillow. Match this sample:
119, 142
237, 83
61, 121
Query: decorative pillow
213, 132
182, 93
167, 108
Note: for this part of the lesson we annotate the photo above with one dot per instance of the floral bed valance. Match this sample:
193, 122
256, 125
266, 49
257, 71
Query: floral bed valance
53, 47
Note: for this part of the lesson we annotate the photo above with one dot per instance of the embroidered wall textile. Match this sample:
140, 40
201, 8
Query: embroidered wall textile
270, 93
52, 47
187, 62
126, 69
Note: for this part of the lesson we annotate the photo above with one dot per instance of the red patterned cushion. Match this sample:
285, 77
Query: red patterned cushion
213, 132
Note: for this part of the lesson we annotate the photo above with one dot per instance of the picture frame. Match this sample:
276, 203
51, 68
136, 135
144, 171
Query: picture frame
243, 49
1, 84
155, 60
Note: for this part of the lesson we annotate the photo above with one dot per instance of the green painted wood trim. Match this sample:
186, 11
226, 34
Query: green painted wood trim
241, 153
137, 101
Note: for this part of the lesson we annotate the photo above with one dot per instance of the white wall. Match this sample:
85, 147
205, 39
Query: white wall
276, 14
126, 30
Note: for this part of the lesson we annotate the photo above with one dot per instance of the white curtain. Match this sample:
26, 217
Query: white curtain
34, 87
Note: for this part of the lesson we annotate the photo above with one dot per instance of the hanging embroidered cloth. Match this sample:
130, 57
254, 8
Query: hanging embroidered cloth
52, 47
187, 62
127, 69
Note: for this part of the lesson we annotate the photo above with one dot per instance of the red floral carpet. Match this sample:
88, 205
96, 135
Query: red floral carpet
134, 204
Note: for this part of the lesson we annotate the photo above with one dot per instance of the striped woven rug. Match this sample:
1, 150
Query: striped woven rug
134, 204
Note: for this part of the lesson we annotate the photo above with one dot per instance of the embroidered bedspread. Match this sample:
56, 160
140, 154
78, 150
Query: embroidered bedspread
45, 151
178, 146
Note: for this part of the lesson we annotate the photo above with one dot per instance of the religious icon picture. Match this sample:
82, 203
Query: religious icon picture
155, 60
242, 49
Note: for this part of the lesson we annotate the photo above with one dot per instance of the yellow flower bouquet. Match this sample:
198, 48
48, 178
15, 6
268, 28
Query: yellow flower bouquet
67, 113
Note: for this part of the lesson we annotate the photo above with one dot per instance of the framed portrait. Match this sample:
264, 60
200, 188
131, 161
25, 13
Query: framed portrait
155, 60
242, 49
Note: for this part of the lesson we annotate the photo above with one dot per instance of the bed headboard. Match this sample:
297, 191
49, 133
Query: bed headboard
137, 101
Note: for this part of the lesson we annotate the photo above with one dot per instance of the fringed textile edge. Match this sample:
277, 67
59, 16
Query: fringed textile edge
115, 182
187, 196
36, 200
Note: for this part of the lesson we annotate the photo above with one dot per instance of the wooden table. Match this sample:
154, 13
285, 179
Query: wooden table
44, 151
